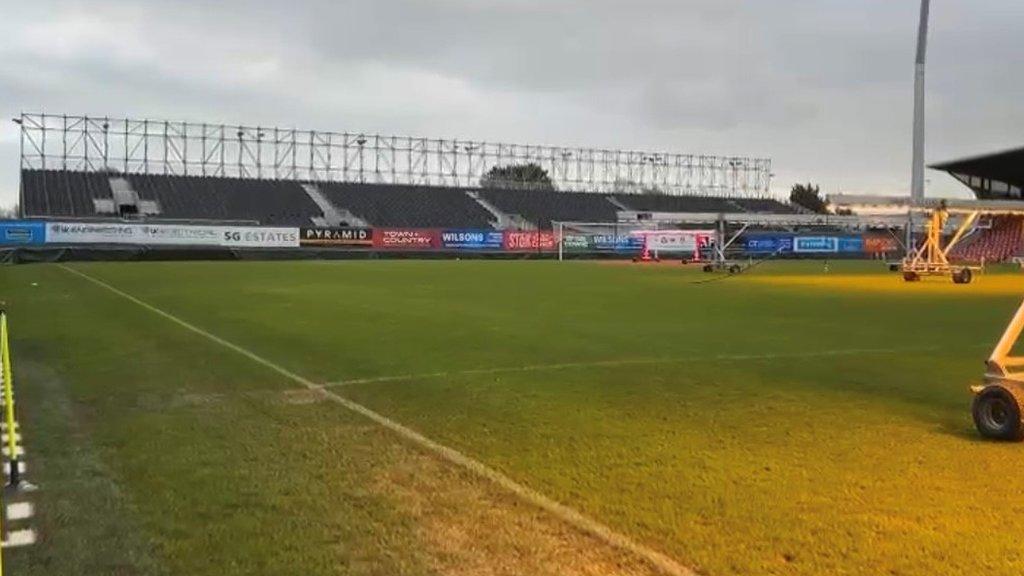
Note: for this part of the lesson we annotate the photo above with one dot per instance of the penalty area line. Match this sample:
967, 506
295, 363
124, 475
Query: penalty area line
568, 515
631, 362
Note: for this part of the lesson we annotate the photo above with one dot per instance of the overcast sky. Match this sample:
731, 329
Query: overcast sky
823, 87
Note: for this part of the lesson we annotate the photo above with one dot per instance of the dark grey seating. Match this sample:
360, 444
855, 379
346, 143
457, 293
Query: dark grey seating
71, 194
62, 192
666, 203
764, 206
541, 207
270, 202
408, 206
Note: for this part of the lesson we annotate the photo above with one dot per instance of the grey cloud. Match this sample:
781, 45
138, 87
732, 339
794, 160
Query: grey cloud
822, 86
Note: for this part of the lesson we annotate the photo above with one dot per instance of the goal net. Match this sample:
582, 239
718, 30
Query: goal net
640, 241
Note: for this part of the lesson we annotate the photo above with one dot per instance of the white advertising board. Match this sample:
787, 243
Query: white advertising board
170, 235
249, 237
675, 240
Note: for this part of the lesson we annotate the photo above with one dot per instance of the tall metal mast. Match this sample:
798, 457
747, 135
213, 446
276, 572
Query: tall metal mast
917, 166
917, 178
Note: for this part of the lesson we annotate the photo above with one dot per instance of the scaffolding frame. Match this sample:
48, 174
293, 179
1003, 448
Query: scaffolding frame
931, 258
147, 146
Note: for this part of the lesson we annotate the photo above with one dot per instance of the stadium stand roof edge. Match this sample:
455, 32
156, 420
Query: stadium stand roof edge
994, 175
953, 204
1011, 156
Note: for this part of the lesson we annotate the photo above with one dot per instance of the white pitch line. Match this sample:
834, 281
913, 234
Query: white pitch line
19, 511
22, 467
631, 362
561, 511
19, 538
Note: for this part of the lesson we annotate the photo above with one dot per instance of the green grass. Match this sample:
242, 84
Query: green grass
781, 422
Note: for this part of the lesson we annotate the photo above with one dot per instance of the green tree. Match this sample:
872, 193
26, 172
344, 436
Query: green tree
528, 175
809, 196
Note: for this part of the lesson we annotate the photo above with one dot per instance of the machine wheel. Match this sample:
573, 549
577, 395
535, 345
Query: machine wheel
963, 276
684, 262
709, 268
996, 412
735, 269
894, 267
909, 276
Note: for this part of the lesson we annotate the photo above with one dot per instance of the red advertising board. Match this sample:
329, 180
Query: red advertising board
880, 243
529, 240
405, 238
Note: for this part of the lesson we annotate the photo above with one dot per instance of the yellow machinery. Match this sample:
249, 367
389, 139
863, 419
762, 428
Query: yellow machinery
999, 400
11, 427
7, 382
932, 258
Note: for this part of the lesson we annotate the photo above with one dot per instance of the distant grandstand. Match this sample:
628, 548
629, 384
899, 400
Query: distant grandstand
992, 177
82, 168
997, 181
996, 176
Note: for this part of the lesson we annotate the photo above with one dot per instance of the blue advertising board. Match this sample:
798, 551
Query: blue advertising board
851, 244
816, 244
829, 244
471, 239
19, 232
616, 242
768, 244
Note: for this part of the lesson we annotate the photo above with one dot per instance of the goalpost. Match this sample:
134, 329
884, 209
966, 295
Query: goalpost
685, 245
598, 238
642, 241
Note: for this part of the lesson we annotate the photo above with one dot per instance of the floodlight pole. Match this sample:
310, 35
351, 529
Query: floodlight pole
917, 168
20, 121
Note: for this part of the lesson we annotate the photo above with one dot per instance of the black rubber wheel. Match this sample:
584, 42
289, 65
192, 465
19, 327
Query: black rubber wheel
709, 268
910, 277
963, 276
735, 269
684, 262
996, 412
894, 267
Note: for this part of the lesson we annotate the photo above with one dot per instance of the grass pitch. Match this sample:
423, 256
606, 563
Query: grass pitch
781, 422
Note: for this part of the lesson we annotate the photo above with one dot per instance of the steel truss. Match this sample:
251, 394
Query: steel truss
95, 144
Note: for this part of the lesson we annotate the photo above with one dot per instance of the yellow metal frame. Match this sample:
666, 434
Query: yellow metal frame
5, 375
1000, 363
932, 258
7, 381
8, 391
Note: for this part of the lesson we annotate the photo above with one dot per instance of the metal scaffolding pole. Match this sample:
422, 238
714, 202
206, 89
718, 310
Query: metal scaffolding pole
917, 167
94, 144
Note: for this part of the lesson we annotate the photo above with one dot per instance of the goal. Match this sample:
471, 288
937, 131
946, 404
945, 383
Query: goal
641, 241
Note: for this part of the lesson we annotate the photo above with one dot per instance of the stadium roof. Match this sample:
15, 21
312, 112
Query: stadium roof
956, 205
1006, 166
